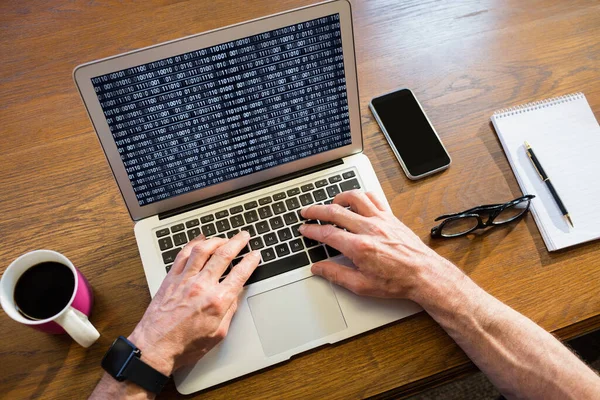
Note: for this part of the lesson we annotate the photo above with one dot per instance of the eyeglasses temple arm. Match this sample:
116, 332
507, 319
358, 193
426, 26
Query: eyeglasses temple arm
446, 216
487, 207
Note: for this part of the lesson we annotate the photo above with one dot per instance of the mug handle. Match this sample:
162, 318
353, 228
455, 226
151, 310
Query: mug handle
78, 326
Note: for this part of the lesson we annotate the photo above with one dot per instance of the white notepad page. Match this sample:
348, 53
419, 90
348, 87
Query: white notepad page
565, 137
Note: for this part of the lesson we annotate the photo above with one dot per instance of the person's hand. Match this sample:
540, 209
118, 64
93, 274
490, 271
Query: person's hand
192, 310
391, 260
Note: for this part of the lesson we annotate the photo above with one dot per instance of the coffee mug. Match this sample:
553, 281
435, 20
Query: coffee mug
44, 290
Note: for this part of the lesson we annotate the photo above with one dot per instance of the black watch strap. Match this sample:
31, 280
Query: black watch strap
145, 376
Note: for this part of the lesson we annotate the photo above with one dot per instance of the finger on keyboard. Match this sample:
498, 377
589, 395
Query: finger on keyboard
224, 254
336, 214
330, 235
358, 201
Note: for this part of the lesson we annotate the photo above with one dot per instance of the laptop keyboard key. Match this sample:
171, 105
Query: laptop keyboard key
276, 223
333, 190
162, 232
232, 233
290, 218
227, 271
244, 251
180, 239
278, 267
223, 225
321, 183
264, 200
284, 234
177, 228
209, 230
317, 254
335, 179
320, 195
237, 221
206, 219
348, 175
306, 199
262, 227
293, 192
256, 243
250, 205
236, 209
270, 238
251, 217
282, 250
265, 212
292, 203
165, 243
296, 231
168, 268
268, 254
300, 217
169, 256
221, 214
349, 185
279, 196
192, 223
309, 242
307, 187
331, 251
236, 261
250, 230
193, 233
279, 208
296, 245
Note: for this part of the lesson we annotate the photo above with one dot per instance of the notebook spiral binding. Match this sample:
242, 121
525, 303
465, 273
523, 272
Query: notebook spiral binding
536, 105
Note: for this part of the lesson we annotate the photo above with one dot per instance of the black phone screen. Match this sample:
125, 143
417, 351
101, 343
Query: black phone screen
410, 132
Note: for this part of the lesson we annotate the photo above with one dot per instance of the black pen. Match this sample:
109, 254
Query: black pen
542, 174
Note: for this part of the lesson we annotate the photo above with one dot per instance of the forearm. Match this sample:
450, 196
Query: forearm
109, 388
520, 358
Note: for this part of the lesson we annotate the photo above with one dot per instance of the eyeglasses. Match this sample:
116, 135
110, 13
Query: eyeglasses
467, 221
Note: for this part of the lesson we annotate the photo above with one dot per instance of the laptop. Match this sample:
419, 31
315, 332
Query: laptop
239, 128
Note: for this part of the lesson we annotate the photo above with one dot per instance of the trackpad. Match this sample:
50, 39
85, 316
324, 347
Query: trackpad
295, 314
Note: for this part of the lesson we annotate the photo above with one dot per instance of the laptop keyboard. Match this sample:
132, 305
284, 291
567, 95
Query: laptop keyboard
272, 221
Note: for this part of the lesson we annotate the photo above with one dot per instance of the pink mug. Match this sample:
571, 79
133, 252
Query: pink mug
72, 319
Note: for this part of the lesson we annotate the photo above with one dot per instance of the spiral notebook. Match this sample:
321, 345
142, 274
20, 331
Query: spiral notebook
565, 136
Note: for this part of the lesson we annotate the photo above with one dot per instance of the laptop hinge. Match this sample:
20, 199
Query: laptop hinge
252, 188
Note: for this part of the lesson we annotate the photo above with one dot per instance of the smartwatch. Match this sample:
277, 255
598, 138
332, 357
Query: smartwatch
122, 362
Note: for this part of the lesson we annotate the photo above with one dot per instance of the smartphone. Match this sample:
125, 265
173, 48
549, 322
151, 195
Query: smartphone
410, 134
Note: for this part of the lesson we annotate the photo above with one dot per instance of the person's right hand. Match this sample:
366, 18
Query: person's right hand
193, 307
391, 260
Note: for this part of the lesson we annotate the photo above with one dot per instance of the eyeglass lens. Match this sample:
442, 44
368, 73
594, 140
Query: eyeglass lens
459, 226
512, 212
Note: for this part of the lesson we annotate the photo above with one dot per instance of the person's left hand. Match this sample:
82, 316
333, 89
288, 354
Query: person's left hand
192, 310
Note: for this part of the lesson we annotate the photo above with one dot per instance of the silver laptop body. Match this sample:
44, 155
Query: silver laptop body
238, 128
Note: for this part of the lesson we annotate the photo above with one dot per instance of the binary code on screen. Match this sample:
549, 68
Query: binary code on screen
204, 117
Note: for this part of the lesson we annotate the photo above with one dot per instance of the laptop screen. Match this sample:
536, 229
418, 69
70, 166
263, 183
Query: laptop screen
214, 114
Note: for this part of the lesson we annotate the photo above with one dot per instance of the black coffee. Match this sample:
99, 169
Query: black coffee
44, 290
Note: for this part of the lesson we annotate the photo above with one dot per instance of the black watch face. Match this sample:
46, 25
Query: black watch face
115, 360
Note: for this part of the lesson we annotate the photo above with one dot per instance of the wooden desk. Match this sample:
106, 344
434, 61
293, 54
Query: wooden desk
463, 60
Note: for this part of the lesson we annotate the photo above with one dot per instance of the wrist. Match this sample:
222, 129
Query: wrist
153, 354
438, 283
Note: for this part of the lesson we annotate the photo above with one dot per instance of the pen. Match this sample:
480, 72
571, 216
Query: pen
542, 174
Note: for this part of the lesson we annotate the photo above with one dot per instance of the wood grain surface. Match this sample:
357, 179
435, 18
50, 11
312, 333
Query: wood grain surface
463, 60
